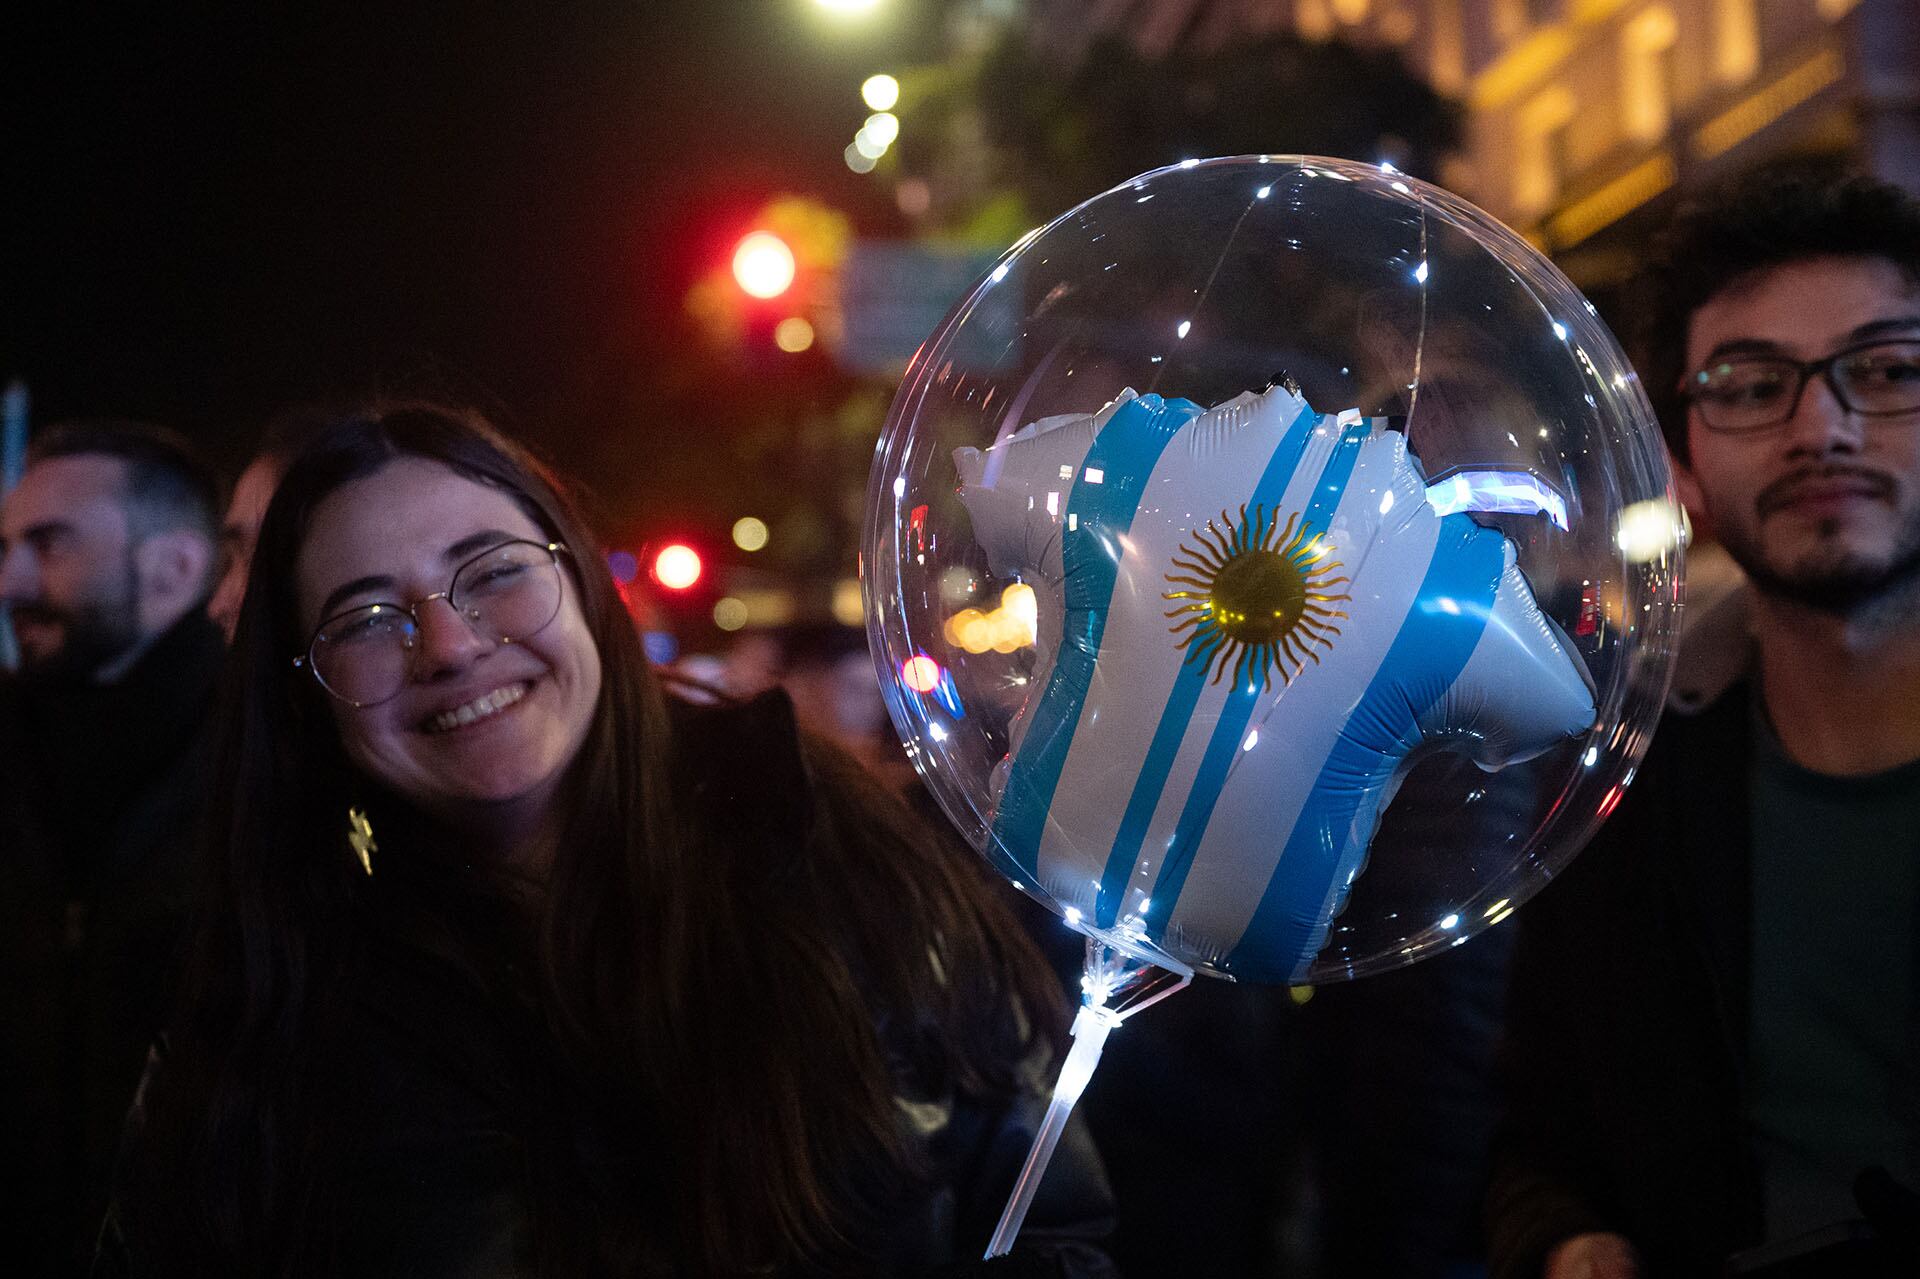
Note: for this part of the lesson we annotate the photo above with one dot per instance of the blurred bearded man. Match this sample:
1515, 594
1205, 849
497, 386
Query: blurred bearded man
106, 558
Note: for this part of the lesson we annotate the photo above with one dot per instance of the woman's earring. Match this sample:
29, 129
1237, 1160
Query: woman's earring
360, 838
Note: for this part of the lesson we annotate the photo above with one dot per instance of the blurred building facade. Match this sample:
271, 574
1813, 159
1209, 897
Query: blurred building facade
1587, 117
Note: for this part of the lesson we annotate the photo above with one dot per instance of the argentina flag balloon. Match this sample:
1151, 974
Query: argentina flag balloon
1210, 580
1270, 565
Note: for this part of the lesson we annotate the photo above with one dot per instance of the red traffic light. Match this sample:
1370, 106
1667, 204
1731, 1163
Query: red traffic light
763, 265
677, 566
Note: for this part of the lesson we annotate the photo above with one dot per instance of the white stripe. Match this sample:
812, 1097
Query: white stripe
1387, 556
1213, 464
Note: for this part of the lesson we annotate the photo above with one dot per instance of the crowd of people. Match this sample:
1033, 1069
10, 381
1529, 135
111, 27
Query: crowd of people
370, 904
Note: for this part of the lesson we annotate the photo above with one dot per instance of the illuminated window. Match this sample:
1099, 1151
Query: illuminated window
1397, 24
1313, 19
1509, 20
1736, 48
1646, 45
1447, 52
1540, 158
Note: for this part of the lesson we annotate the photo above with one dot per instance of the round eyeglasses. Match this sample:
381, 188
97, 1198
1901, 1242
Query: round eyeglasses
507, 594
1756, 392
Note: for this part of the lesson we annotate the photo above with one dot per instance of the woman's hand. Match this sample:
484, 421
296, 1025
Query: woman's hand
1593, 1256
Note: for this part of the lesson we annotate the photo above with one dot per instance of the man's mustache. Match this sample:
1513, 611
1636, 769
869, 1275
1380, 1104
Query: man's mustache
1786, 490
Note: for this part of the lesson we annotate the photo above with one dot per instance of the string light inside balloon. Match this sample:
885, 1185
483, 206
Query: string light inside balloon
1258, 596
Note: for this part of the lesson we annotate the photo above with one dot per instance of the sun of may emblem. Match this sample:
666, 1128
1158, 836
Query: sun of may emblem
1254, 595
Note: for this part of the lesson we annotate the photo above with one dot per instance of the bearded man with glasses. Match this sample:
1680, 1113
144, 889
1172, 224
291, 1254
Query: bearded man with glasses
1714, 1037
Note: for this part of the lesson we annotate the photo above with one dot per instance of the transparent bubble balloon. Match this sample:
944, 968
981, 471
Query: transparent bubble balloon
1272, 567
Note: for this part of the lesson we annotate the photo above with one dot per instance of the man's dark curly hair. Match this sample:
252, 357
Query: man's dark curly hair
1783, 212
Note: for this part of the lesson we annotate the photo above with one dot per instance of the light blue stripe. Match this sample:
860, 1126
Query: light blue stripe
1125, 452
1435, 641
1231, 727
1184, 696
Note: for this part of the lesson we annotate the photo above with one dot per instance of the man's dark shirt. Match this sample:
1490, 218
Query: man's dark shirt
100, 788
1629, 1058
1833, 1080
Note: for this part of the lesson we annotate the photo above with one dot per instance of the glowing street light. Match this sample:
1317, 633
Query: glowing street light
883, 127
880, 92
763, 265
851, 8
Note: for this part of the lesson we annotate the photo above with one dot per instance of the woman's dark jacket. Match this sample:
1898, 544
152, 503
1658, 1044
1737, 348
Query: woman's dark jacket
436, 1170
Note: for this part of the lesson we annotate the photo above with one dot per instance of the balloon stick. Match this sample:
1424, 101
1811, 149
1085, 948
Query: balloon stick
1114, 986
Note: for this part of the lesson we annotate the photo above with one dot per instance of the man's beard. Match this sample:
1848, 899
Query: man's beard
93, 633
1837, 583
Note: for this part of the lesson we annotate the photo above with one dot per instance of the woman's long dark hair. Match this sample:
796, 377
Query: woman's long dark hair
720, 1011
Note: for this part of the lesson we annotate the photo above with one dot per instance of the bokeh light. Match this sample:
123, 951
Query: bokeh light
677, 566
749, 533
880, 92
846, 606
763, 265
921, 673
793, 335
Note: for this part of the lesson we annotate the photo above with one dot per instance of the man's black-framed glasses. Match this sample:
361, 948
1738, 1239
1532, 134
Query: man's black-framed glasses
507, 594
1756, 392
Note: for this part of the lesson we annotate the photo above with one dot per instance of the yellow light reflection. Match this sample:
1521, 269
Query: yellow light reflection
1012, 626
749, 534
767, 607
846, 605
729, 614
793, 335
1022, 607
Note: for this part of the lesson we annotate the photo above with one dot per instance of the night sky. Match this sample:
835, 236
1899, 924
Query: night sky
503, 204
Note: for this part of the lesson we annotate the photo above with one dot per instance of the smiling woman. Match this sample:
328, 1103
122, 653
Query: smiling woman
472, 701
591, 981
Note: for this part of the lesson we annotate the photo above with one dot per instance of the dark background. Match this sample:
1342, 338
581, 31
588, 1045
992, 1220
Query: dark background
214, 211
